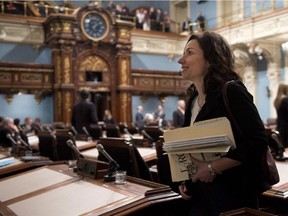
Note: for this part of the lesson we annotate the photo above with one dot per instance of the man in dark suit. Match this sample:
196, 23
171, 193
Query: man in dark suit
83, 113
178, 115
139, 118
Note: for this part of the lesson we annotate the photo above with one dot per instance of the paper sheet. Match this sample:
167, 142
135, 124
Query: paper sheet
91, 153
72, 199
283, 173
30, 182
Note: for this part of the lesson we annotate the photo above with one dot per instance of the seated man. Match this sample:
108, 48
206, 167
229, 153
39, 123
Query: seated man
8, 127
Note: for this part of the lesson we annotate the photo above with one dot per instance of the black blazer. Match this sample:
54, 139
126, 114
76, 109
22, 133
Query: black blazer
178, 118
250, 145
83, 114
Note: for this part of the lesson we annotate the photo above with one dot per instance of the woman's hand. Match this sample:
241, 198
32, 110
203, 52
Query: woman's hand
183, 192
203, 173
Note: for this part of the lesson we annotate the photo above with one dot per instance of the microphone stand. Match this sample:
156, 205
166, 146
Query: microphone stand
112, 168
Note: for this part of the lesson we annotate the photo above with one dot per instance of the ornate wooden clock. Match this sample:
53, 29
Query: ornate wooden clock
94, 25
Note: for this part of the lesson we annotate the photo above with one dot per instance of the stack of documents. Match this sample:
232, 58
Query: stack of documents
199, 145
206, 140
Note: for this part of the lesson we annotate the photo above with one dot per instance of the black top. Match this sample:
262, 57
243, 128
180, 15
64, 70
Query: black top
250, 145
83, 114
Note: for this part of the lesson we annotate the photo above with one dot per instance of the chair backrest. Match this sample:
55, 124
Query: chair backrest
132, 129
63, 150
112, 131
275, 143
154, 132
126, 155
47, 145
95, 131
163, 166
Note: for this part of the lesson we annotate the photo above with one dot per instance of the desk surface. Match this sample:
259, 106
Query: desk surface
19, 165
280, 190
148, 153
56, 190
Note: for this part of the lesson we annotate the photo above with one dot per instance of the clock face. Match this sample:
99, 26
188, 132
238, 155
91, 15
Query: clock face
94, 25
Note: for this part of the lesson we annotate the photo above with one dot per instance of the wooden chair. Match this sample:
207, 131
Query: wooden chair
132, 129
154, 132
64, 152
163, 166
112, 131
275, 144
95, 131
47, 145
127, 156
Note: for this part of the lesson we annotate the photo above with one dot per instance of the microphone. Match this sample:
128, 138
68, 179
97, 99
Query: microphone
128, 133
24, 143
280, 147
74, 130
11, 139
86, 131
101, 149
113, 165
74, 148
147, 135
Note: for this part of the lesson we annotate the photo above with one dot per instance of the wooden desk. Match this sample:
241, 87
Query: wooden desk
277, 196
56, 190
148, 154
18, 165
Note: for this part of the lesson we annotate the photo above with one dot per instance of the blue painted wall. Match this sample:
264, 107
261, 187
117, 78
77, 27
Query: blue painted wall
263, 83
26, 106
23, 53
154, 62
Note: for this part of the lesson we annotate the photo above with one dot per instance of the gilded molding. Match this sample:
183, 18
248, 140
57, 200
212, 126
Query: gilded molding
67, 27
9, 98
36, 78
58, 75
67, 104
67, 70
5, 77
93, 63
124, 73
59, 105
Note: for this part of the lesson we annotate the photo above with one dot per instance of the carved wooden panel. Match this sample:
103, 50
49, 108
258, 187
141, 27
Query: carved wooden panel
157, 82
28, 77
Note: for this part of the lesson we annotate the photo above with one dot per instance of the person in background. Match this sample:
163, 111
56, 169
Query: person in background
27, 126
36, 125
149, 120
201, 21
139, 118
185, 25
17, 123
83, 113
178, 115
8, 127
125, 11
236, 179
167, 21
108, 119
281, 106
158, 113
162, 121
